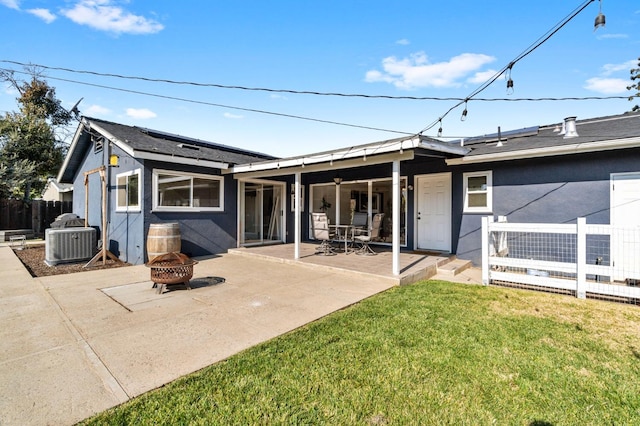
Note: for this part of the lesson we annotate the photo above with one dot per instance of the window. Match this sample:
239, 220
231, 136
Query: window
128, 191
478, 192
178, 191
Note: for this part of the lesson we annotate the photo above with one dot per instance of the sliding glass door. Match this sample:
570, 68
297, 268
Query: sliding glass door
261, 213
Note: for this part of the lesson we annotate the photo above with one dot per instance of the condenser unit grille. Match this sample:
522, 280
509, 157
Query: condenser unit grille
69, 245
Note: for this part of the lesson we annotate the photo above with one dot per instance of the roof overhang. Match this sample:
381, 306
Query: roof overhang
576, 148
142, 155
146, 155
355, 156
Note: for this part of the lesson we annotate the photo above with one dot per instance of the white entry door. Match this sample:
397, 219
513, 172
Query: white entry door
625, 241
433, 212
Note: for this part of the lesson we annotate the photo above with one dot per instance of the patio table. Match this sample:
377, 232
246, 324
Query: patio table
342, 234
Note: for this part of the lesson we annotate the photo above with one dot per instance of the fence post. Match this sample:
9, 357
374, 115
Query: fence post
581, 258
486, 220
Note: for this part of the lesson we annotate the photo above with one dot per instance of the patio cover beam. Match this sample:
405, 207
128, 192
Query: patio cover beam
327, 166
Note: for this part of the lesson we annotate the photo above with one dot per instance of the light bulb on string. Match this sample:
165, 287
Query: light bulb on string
440, 129
509, 80
463, 117
600, 21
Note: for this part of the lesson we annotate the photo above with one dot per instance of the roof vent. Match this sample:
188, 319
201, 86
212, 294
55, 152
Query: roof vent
570, 128
187, 146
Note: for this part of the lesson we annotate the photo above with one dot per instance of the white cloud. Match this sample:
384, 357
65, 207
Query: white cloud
606, 83
607, 36
43, 14
96, 110
141, 113
233, 116
607, 86
416, 71
103, 15
609, 69
482, 77
403, 42
11, 4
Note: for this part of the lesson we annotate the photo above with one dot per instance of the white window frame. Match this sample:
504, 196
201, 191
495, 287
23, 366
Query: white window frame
489, 191
127, 207
190, 208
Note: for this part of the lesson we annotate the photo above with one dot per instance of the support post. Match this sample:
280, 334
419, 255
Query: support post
296, 220
486, 220
104, 253
581, 258
395, 225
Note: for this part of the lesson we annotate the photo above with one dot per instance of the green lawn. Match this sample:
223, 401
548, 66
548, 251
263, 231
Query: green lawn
428, 353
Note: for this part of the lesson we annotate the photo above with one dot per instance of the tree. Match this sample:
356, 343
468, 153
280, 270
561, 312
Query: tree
30, 152
635, 76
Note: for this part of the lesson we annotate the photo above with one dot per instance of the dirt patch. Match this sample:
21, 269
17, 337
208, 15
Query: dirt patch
33, 260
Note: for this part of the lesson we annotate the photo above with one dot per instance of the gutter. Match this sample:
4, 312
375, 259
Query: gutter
576, 148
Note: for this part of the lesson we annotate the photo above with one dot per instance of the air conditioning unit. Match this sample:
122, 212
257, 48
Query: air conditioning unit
69, 245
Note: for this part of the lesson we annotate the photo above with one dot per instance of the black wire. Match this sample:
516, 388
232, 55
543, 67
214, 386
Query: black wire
299, 117
418, 98
510, 65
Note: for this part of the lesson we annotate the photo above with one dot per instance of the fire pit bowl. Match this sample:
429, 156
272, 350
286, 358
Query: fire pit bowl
171, 268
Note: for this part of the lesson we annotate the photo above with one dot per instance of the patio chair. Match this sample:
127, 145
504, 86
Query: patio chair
359, 223
321, 231
374, 232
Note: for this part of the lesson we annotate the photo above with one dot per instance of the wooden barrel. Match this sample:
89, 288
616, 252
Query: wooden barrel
163, 238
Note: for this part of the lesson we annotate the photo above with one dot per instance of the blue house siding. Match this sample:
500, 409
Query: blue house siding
202, 233
125, 228
90, 161
548, 190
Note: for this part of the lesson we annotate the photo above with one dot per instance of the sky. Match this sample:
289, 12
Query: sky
413, 63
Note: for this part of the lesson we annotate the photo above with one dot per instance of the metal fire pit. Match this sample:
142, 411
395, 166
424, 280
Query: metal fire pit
171, 268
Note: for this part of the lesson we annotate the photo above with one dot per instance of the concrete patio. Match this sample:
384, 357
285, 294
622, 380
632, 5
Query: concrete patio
74, 345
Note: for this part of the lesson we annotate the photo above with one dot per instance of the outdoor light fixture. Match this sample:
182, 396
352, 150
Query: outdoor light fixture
337, 180
113, 160
600, 21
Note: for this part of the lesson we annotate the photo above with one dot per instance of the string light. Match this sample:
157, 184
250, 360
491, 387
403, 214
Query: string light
509, 80
521, 56
600, 21
464, 112
440, 129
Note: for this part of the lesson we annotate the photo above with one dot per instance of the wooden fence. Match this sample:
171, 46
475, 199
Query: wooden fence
33, 214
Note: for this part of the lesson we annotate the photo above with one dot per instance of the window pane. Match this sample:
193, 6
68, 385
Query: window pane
477, 183
132, 187
174, 190
121, 191
478, 200
206, 193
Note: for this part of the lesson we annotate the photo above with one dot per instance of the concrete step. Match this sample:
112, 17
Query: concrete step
453, 267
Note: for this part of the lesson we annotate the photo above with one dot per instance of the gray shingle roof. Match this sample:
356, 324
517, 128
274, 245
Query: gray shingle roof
154, 141
141, 140
589, 130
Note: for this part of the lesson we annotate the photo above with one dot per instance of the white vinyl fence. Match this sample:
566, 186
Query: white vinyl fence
595, 261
